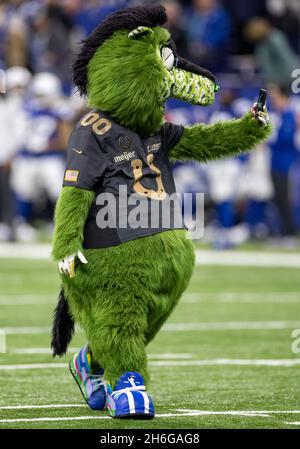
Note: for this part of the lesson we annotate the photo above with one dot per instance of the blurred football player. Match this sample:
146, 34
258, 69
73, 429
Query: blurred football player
11, 130
223, 179
245, 177
285, 154
39, 167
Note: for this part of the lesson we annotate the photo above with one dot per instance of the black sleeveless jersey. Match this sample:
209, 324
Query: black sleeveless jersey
130, 175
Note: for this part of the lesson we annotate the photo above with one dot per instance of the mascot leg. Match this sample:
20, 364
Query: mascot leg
180, 255
116, 332
123, 298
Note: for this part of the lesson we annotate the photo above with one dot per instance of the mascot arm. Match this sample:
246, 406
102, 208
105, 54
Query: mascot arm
70, 216
204, 143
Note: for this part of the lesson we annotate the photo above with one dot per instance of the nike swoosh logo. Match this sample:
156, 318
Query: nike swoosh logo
77, 151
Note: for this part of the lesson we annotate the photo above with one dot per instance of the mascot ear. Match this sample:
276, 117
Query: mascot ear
140, 31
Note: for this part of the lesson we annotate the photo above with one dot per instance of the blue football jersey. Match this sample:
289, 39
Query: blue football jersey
42, 125
283, 144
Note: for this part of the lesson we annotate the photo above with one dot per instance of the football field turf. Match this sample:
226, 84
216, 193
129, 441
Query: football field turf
224, 359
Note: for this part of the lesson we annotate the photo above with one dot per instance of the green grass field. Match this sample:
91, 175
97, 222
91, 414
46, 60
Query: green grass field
224, 360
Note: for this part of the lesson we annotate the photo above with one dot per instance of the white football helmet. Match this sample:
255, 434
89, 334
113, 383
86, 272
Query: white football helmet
17, 78
46, 88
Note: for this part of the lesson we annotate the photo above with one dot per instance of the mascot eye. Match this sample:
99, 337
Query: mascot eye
168, 57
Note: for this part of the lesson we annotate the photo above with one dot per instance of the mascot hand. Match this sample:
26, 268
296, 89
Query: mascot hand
261, 116
67, 265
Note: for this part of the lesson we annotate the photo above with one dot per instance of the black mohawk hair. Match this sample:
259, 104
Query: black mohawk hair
125, 19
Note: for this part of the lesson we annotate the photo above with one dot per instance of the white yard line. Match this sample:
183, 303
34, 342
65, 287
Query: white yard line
25, 251
231, 325
46, 406
189, 297
180, 410
28, 330
192, 413
27, 300
36, 351
47, 351
248, 258
203, 257
242, 297
231, 413
184, 327
48, 419
209, 413
33, 366
294, 423
248, 412
208, 362
86, 418
239, 362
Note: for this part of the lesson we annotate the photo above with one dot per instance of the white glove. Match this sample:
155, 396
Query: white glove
262, 116
67, 265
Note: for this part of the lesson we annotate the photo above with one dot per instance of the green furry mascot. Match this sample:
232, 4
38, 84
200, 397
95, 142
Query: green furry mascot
121, 283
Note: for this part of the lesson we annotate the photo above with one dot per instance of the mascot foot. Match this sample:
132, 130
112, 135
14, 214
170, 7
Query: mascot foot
129, 399
91, 384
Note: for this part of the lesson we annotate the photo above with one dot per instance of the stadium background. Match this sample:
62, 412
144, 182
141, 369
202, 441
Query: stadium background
232, 343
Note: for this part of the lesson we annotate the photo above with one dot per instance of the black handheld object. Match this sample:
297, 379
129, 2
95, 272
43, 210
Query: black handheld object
262, 99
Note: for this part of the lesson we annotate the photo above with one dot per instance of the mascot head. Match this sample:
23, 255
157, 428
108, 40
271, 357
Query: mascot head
129, 66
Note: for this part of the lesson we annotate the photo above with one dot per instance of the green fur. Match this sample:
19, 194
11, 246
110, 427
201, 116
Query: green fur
205, 143
125, 78
70, 215
121, 306
124, 294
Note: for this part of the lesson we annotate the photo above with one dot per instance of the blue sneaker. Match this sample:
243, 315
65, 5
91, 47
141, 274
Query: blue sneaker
91, 385
129, 398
